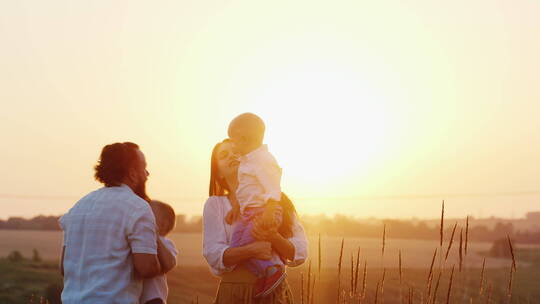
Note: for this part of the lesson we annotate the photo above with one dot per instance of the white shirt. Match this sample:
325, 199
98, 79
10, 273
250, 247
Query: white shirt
217, 236
156, 287
101, 231
259, 178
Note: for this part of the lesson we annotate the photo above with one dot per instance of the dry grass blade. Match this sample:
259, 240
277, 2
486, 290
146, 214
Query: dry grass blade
511, 252
441, 229
319, 256
352, 275
356, 271
382, 284
434, 298
432, 262
489, 293
510, 280
450, 286
401, 268
302, 288
430, 275
451, 241
364, 282
467, 235
308, 294
312, 295
460, 249
481, 289
383, 239
339, 270
377, 293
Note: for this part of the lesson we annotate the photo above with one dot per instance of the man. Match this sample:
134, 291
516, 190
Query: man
110, 241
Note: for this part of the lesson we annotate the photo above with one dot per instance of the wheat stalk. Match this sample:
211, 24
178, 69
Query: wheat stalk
450, 286
319, 256
511, 279
467, 235
460, 249
309, 283
339, 270
356, 271
489, 292
512, 252
383, 239
436, 287
450, 243
302, 288
481, 290
364, 280
441, 236
432, 262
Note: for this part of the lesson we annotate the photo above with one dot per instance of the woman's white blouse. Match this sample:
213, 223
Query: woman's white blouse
217, 236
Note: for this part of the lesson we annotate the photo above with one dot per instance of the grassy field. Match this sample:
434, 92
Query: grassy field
192, 280
416, 253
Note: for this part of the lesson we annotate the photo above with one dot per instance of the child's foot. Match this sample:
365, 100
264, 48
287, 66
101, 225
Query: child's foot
258, 289
275, 275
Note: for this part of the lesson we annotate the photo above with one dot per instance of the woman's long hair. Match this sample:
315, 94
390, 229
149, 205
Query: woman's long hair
219, 187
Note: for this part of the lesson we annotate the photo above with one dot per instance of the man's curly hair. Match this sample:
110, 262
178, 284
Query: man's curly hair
115, 162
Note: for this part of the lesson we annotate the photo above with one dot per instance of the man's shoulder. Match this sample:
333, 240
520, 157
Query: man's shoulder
118, 197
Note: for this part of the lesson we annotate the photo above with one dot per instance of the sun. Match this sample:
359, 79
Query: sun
326, 126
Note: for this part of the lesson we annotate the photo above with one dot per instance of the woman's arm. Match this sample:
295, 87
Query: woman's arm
293, 250
256, 250
281, 245
216, 250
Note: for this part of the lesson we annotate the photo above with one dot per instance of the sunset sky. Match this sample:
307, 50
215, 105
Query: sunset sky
373, 108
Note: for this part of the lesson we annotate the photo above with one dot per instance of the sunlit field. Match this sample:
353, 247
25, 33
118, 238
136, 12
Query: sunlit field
360, 271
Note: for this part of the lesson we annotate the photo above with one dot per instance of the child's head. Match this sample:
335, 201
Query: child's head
165, 217
246, 132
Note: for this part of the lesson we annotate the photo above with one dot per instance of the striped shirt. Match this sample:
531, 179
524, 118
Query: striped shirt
101, 232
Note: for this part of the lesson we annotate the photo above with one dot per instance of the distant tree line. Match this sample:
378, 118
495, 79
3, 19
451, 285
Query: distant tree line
338, 225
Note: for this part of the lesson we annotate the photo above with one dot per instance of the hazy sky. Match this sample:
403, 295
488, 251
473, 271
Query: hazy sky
373, 108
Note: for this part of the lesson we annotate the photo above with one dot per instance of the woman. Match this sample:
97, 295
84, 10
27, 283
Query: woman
289, 240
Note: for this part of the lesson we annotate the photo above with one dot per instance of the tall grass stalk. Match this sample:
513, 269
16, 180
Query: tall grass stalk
319, 255
434, 297
450, 243
441, 236
339, 270
302, 288
356, 272
481, 288
308, 294
450, 286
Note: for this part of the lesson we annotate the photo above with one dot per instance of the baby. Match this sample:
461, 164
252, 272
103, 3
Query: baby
258, 195
155, 290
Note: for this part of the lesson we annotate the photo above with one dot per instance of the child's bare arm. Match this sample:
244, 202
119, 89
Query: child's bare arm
166, 258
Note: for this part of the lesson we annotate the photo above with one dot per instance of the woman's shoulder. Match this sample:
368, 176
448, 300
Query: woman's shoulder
216, 202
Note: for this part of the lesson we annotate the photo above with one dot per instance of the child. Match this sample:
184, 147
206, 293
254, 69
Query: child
155, 290
258, 195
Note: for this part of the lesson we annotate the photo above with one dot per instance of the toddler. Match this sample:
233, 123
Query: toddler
258, 195
155, 290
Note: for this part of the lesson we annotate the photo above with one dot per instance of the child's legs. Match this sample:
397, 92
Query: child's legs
259, 266
238, 232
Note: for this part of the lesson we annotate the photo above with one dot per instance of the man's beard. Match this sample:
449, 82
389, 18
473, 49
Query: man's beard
140, 190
